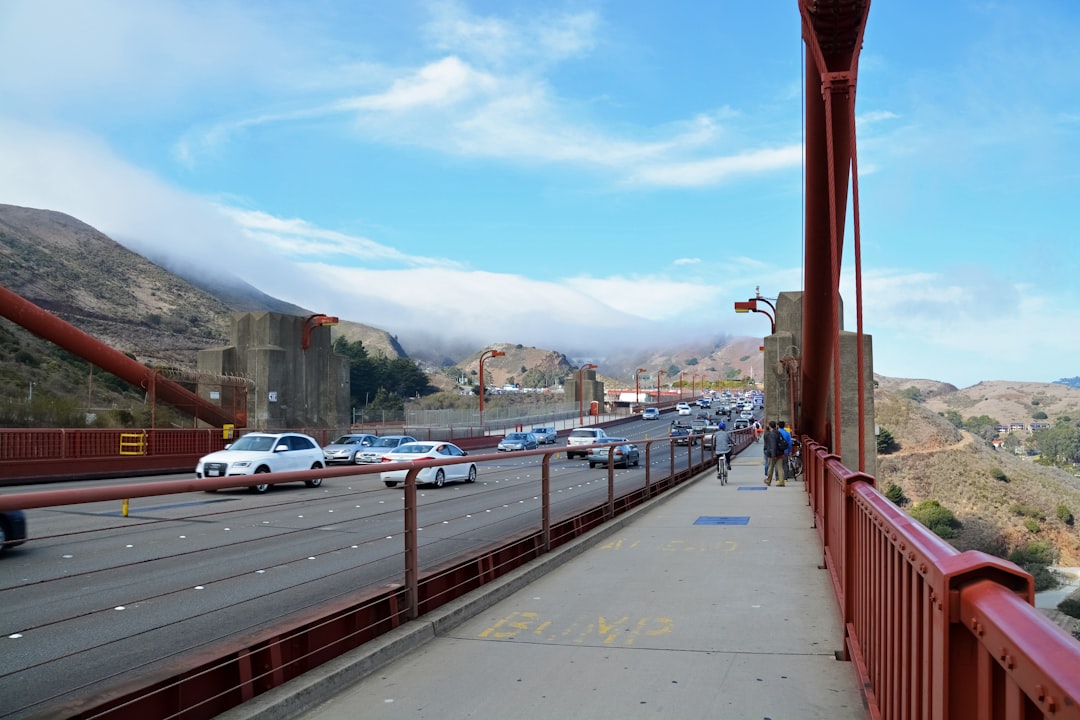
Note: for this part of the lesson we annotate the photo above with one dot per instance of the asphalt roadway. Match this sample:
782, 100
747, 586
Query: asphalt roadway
707, 602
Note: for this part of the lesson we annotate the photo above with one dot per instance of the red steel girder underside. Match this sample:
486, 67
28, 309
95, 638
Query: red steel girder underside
48, 326
833, 32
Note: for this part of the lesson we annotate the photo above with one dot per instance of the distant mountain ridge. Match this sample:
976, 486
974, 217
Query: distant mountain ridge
127, 301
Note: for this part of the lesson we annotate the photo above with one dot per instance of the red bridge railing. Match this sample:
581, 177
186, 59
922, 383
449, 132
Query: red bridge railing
934, 632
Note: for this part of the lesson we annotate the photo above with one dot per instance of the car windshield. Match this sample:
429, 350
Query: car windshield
387, 442
347, 440
256, 443
515, 437
414, 449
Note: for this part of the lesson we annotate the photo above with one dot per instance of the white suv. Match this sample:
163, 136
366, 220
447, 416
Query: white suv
683, 408
584, 436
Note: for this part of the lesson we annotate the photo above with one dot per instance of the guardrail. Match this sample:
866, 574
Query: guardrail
934, 632
48, 454
236, 670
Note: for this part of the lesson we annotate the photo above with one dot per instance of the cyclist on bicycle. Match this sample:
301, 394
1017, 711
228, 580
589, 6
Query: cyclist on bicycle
722, 444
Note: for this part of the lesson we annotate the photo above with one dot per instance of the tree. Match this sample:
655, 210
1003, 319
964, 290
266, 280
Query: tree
368, 376
983, 426
1038, 415
1058, 445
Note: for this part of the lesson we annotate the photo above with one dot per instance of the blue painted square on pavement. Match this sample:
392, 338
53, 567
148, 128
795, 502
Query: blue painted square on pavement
754, 487
722, 520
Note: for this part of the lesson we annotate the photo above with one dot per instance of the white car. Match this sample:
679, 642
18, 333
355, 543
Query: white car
584, 436
257, 453
437, 476
683, 408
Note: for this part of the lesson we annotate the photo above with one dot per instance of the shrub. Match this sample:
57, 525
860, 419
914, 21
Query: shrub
1064, 515
953, 417
26, 358
938, 519
1035, 558
912, 393
1070, 606
1029, 511
894, 493
999, 474
1032, 525
886, 443
1040, 415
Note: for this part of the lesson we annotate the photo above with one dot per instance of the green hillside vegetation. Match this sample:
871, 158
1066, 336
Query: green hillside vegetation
972, 494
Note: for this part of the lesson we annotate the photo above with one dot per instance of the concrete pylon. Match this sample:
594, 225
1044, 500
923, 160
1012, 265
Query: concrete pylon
783, 378
293, 387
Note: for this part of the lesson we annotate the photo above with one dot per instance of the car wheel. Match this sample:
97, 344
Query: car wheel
3, 537
260, 487
440, 478
472, 474
592, 465
317, 481
390, 483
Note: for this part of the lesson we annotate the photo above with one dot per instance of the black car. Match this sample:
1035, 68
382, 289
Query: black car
12, 528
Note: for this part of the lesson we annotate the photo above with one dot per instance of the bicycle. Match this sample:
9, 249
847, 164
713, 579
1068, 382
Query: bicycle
722, 469
794, 463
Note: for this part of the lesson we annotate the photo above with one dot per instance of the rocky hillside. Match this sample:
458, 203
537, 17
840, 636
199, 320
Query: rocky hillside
986, 488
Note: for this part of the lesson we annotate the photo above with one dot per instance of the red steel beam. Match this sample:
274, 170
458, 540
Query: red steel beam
49, 327
833, 32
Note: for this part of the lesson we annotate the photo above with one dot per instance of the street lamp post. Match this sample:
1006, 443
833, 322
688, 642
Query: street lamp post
658, 374
693, 386
637, 385
751, 305
484, 356
680, 384
581, 391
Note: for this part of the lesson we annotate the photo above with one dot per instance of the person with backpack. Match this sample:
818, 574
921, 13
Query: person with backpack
775, 447
781, 427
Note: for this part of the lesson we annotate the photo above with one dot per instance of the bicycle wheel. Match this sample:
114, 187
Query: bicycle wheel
722, 471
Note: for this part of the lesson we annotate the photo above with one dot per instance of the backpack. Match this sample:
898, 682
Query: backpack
782, 445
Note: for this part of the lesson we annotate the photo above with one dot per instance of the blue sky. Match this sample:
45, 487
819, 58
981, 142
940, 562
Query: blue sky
570, 175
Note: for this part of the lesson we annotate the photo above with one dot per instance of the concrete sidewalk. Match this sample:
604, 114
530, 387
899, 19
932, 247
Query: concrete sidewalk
706, 603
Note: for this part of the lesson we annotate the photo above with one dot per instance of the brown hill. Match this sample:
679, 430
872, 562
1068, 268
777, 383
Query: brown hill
992, 492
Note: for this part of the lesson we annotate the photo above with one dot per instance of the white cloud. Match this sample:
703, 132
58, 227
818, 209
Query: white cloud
696, 173
541, 39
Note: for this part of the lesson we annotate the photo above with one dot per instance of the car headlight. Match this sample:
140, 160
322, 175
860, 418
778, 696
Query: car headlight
242, 463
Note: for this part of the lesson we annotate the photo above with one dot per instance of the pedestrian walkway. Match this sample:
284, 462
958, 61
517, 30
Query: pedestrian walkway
709, 602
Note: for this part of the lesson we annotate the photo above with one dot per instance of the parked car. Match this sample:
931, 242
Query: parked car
650, 413
435, 475
584, 436
12, 528
683, 408
344, 449
380, 447
625, 454
258, 452
518, 441
546, 435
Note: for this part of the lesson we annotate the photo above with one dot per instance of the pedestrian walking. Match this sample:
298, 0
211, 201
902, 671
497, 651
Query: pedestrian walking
775, 445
